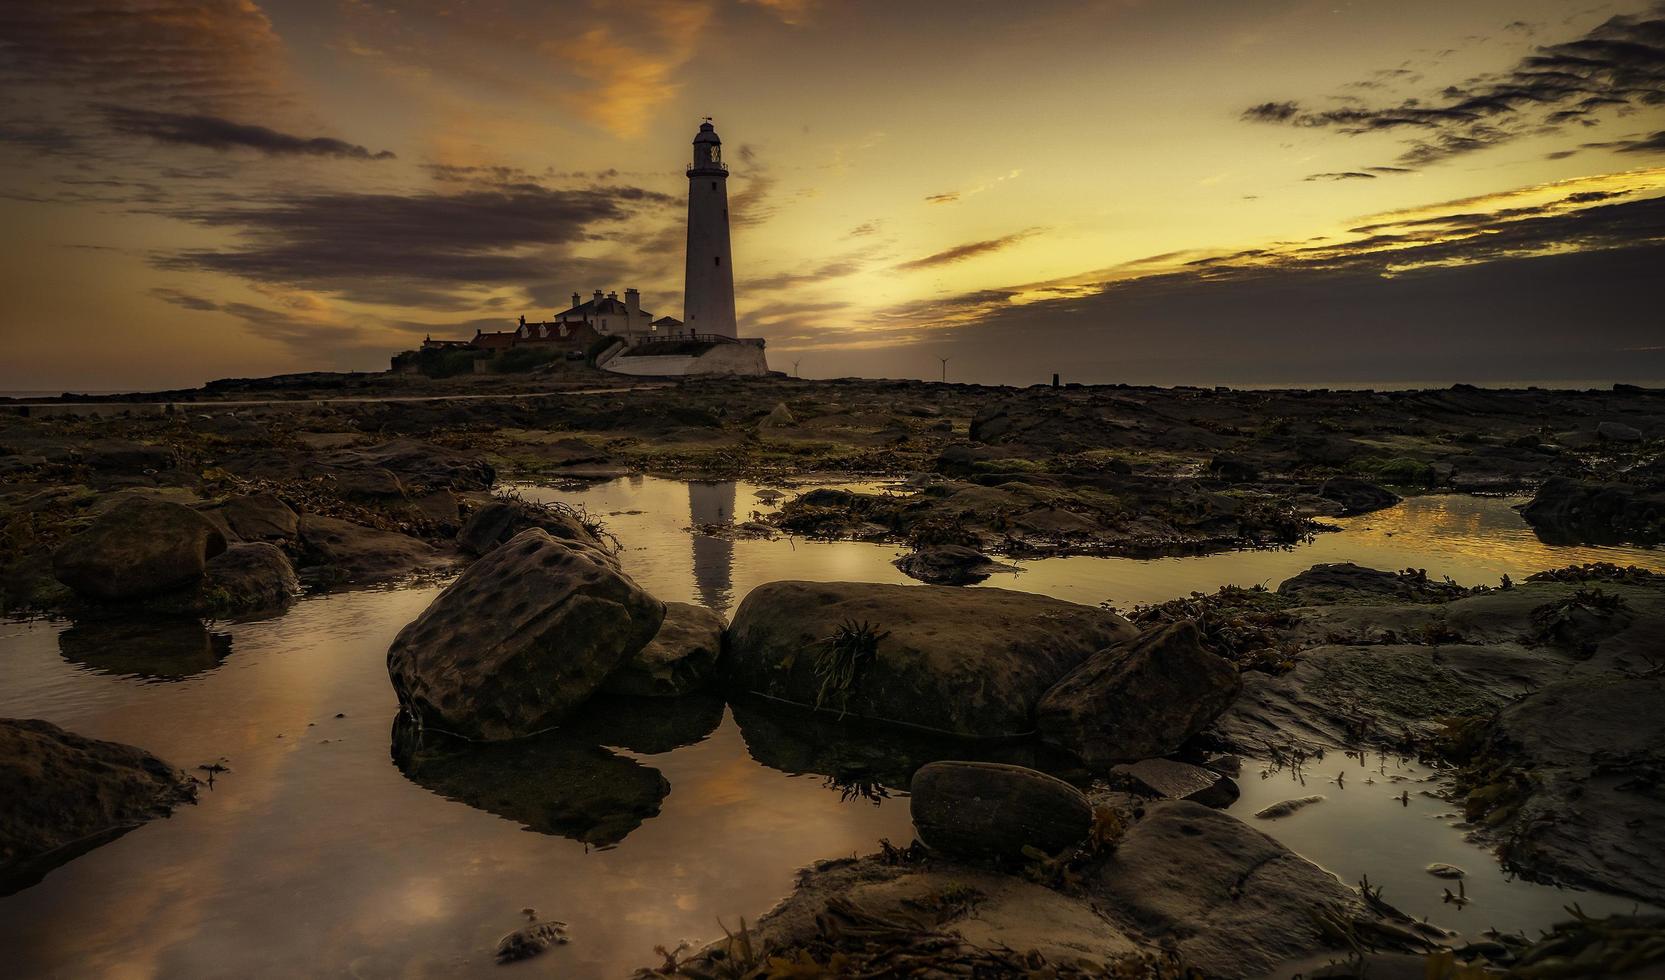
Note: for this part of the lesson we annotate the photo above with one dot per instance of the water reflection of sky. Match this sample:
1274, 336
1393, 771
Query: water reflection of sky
316, 854
1475, 540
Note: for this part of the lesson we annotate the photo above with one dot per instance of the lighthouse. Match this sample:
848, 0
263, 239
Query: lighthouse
708, 284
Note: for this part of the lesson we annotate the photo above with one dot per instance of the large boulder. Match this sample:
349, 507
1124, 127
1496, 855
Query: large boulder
62, 795
520, 639
1231, 901
966, 662
138, 548
1138, 700
678, 660
353, 553
500, 520
991, 811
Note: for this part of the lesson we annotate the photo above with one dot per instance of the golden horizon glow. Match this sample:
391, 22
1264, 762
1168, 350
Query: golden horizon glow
896, 173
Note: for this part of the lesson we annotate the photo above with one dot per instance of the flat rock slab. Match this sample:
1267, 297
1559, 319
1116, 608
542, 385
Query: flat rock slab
1346, 696
997, 917
1140, 699
1232, 901
62, 794
523, 637
970, 662
361, 555
1591, 812
259, 517
1170, 780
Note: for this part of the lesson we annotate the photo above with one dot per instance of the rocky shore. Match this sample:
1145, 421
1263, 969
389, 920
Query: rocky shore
1066, 763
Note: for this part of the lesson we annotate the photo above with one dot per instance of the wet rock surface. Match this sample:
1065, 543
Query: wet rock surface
1567, 780
963, 662
62, 794
1357, 496
500, 520
522, 638
949, 564
258, 517
246, 577
1568, 511
1170, 780
680, 659
1185, 887
1232, 901
138, 548
988, 811
348, 553
1395, 673
1140, 699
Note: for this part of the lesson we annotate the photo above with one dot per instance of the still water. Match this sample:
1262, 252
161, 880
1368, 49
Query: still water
317, 854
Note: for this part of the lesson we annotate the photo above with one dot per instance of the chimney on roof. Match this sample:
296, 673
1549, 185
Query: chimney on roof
574, 299
598, 295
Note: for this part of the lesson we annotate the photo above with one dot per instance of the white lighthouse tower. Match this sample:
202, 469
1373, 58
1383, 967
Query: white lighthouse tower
708, 285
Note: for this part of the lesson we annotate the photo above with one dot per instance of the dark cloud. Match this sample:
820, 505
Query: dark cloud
1272, 112
960, 253
1555, 296
215, 133
1346, 175
183, 299
36, 137
1652, 144
1619, 63
212, 55
838, 268
864, 229
947, 197
420, 248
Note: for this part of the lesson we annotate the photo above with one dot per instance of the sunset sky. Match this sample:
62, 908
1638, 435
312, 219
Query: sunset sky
1164, 192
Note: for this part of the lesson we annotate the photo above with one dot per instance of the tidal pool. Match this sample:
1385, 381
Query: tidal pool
332, 845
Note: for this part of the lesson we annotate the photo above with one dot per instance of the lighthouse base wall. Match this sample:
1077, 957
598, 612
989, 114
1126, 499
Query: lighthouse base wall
740, 359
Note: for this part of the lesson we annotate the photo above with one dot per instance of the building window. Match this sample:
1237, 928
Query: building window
713, 185
717, 259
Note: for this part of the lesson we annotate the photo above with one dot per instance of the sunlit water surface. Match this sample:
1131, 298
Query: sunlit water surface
316, 854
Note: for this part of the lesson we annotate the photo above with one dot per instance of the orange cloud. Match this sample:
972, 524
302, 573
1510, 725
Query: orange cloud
633, 73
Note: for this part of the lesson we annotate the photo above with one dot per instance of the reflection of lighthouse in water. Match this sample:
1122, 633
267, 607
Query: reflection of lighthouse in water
712, 503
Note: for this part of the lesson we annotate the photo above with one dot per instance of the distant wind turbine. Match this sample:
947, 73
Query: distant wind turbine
945, 361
